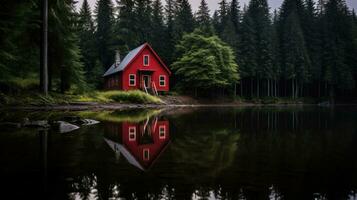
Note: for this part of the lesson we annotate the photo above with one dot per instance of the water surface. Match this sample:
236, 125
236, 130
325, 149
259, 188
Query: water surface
186, 153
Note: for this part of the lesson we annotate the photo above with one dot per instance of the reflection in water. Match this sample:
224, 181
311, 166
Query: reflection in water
141, 143
217, 153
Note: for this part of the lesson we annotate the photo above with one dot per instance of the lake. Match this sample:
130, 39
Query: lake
184, 153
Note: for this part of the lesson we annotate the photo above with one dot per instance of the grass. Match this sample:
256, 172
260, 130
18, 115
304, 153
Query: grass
137, 97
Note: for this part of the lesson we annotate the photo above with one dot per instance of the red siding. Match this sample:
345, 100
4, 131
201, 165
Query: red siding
154, 66
119, 132
114, 82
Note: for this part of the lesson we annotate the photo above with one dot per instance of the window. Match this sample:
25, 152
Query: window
146, 60
162, 81
146, 154
162, 132
132, 79
132, 133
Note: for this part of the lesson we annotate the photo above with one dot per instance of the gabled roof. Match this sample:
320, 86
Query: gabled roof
130, 57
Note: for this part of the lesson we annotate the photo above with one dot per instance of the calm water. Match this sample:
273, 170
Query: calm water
210, 153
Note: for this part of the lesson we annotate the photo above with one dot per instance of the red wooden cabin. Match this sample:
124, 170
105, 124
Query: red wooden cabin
140, 143
141, 69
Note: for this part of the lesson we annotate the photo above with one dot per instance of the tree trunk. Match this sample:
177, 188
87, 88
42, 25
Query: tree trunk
44, 49
293, 88
251, 87
257, 87
332, 95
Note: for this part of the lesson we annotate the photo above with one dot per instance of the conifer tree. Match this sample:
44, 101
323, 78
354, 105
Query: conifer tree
295, 59
87, 39
125, 35
203, 18
104, 34
170, 34
184, 22
143, 20
235, 14
338, 36
158, 40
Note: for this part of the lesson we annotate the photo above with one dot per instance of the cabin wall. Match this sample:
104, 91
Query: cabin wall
114, 82
154, 66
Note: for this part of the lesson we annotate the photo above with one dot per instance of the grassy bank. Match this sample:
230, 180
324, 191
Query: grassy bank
134, 97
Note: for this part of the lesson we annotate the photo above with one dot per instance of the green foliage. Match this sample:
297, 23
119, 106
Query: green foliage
104, 33
118, 96
205, 62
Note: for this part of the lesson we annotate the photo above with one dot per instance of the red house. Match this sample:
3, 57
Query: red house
140, 143
141, 69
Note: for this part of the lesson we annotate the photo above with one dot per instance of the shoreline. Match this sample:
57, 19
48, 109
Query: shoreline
120, 106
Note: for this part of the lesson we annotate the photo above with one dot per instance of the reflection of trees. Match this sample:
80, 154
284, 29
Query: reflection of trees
135, 115
212, 152
85, 188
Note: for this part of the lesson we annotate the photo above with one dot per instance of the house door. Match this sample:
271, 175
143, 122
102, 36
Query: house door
146, 79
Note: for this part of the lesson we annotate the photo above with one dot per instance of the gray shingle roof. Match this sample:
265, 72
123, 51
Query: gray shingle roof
128, 58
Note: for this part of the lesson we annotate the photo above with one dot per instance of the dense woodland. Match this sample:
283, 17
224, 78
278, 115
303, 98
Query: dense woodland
303, 49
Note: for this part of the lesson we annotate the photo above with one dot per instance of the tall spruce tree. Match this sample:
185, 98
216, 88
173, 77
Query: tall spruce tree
247, 54
235, 14
170, 34
258, 11
222, 16
104, 34
338, 71
125, 32
143, 20
203, 18
295, 58
184, 22
158, 40
87, 41
64, 52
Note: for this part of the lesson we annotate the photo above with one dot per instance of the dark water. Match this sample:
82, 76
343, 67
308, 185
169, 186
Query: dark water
210, 153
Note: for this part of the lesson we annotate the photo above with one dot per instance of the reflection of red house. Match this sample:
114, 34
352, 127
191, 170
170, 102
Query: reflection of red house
140, 143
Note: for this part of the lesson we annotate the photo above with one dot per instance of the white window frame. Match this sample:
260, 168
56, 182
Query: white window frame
132, 131
162, 76
162, 132
147, 55
134, 84
146, 150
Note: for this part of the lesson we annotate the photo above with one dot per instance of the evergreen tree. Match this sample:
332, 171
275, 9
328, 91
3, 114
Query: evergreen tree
313, 43
216, 20
337, 46
87, 39
104, 34
248, 53
125, 35
158, 40
143, 20
295, 59
223, 16
235, 15
203, 18
64, 52
184, 22
170, 34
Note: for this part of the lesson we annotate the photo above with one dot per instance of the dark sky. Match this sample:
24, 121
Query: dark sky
213, 4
